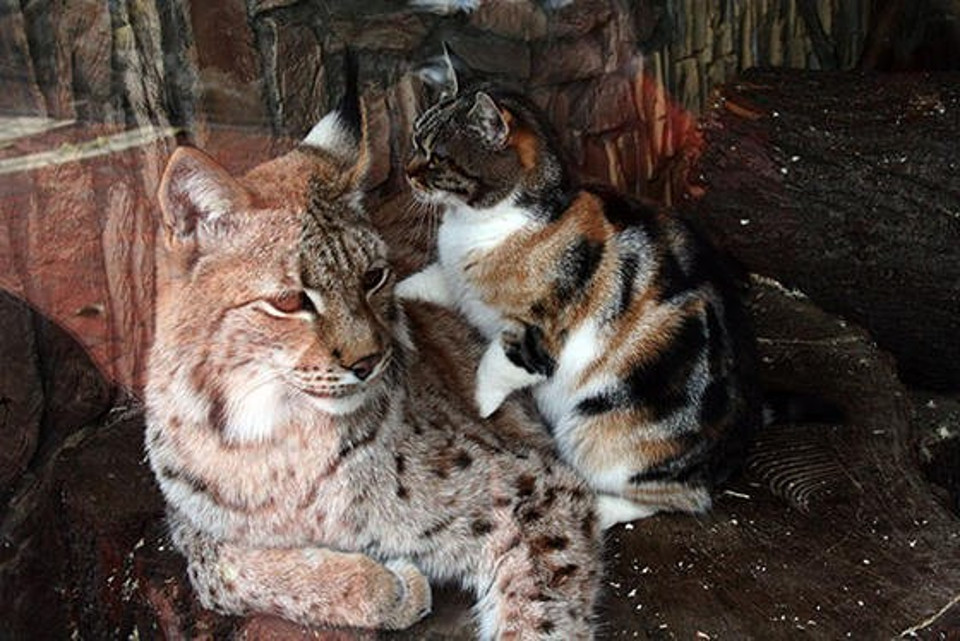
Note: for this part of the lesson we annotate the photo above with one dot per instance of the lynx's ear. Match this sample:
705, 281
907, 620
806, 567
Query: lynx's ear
196, 195
486, 118
342, 134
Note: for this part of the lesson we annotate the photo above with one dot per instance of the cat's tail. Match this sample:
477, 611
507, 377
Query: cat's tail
794, 407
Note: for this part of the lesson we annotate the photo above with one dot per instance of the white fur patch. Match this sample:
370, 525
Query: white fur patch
428, 285
207, 195
252, 416
560, 395
340, 406
466, 232
331, 135
614, 509
465, 229
498, 377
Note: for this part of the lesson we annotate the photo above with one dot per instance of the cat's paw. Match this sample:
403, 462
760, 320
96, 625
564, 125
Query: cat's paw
489, 399
616, 509
414, 599
498, 377
429, 285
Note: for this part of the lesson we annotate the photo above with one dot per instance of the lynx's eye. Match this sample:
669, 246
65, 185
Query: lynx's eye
374, 278
291, 302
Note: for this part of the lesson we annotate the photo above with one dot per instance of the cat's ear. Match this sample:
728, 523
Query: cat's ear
487, 119
444, 74
196, 196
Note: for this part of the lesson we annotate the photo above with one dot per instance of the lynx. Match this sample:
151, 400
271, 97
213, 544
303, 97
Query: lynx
315, 439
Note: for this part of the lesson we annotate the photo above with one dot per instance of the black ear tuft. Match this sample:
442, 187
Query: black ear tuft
349, 105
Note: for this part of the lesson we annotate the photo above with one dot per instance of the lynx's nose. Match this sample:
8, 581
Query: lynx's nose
363, 367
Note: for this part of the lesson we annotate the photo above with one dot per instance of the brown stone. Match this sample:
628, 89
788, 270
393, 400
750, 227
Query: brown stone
521, 20
603, 104
401, 32
577, 19
21, 93
491, 54
564, 61
230, 83
298, 62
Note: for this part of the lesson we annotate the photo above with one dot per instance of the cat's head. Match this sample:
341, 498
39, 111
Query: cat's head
478, 145
274, 295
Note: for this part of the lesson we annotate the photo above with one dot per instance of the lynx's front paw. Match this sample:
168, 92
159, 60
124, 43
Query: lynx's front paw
413, 596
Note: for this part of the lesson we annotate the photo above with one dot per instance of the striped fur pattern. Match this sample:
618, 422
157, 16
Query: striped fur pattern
316, 443
617, 314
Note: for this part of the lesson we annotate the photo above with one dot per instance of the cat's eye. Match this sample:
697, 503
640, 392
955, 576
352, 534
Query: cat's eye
291, 302
374, 278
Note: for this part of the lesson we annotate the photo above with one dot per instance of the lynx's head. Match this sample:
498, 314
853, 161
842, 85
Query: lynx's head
274, 296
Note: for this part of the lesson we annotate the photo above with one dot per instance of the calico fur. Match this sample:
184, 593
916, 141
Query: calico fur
315, 441
619, 315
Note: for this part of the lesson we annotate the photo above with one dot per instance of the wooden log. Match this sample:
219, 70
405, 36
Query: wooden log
846, 187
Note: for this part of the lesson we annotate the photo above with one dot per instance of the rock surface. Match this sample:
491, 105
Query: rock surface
847, 187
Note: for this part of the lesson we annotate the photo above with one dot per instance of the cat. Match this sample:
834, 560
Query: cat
315, 441
620, 316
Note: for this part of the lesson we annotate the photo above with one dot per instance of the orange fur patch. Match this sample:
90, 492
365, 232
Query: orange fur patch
523, 141
618, 438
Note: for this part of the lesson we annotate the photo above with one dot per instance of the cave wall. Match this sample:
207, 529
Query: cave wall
111, 87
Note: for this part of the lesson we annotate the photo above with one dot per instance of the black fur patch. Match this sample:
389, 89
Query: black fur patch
675, 279
552, 203
629, 266
530, 353
525, 485
437, 528
561, 574
462, 460
622, 211
692, 465
660, 384
546, 627
599, 404
715, 403
481, 527
577, 267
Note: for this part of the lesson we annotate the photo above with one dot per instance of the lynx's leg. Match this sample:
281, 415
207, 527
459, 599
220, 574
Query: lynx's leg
428, 285
544, 565
312, 586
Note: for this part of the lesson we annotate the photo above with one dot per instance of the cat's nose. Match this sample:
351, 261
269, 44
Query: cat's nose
363, 367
